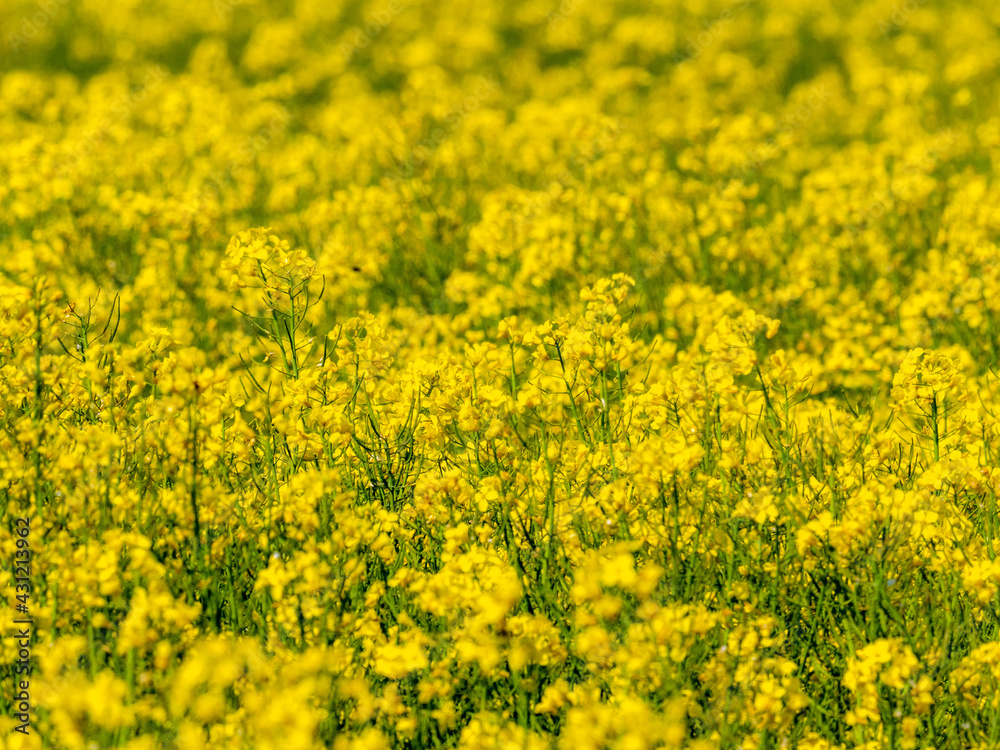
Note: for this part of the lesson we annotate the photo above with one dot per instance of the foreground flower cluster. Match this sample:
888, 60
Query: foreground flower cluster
500, 374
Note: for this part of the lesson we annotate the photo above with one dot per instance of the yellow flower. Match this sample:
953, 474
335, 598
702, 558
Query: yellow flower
395, 660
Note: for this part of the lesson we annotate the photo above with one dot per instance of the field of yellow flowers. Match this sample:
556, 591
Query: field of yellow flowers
568, 374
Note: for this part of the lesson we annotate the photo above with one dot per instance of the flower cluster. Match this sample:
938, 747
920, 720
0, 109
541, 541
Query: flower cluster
500, 374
